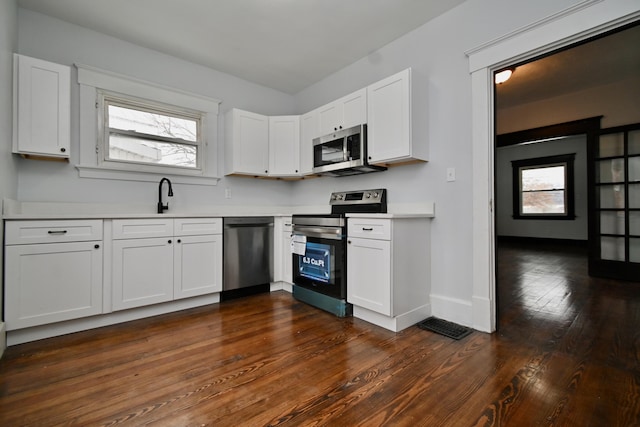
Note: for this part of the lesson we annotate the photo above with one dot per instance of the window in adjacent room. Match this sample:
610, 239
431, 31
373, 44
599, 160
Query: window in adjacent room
146, 134
543, 188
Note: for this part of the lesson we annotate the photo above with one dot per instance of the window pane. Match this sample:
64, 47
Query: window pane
611, 145
634, 223
634, 168
152, 123
634, 250
544, 202
612, 197
612, 248
146, 151
546, 178
634, 142
611, 170
612, 223
634, 196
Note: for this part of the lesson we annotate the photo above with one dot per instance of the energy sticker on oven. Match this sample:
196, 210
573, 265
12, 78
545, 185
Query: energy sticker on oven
316, 263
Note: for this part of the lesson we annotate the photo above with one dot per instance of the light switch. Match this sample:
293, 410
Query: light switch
451, 174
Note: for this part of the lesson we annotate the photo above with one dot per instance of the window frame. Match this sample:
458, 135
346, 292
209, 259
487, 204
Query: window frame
91, 80
541, 162
106, 98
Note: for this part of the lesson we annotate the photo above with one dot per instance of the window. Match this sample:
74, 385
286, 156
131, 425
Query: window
150, 132
147, 133
543, 188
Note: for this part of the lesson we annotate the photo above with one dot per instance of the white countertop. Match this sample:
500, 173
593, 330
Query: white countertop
15, 210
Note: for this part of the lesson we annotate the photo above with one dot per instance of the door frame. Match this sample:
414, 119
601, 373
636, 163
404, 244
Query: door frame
579, 22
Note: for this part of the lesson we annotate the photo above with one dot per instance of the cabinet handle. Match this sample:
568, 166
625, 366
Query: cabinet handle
169, 241
57, 231
367, 228
349, 241
97, 246
63, 150
179, 241
287, 225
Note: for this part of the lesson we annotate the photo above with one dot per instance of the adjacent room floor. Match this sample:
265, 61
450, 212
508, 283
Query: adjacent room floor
566, 354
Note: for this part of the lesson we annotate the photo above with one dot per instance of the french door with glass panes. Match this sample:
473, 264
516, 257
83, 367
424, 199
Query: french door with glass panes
614, 220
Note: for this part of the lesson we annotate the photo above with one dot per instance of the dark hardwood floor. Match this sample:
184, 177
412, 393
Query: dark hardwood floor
566, 354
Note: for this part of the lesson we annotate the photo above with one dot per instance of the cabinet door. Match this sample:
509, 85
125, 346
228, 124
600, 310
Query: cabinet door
197, 265
389, 114
329, 118
248, 143
284, 145
52, 282
354, 109
348, 111
309, 129
142, 272
42, 99
369, 274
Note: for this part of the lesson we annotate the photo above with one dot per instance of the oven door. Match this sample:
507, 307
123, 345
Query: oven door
322, 268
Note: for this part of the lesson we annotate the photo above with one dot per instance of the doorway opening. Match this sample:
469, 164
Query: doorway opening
589, 79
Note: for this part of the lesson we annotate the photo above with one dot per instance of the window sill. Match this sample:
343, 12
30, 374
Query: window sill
129, 175
546, 217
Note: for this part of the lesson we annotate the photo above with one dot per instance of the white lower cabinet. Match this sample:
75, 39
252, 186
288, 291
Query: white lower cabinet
369, 274
53, 271
142, 272
168, 259
197, 265
388, 270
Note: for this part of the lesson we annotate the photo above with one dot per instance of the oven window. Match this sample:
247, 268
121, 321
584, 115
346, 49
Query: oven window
322, 267
329, 152
316, 263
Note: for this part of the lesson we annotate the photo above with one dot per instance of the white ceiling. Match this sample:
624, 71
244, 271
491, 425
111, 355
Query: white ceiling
287, 45
599, 62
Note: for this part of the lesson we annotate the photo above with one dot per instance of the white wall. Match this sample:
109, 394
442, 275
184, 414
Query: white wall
442, 93
53, 40
8, 177
618, 103
576, 229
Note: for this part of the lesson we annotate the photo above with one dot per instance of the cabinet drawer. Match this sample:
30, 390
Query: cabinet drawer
142, 228
369, 228
197, 226
27, 232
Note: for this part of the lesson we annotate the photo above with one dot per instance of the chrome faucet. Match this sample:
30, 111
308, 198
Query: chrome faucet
161, 207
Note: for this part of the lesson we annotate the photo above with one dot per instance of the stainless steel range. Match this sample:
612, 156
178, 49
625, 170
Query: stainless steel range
320, 250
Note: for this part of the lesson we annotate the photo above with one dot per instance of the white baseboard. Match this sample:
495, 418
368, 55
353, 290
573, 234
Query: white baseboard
452, 309
20, 336
395, 324
281, 286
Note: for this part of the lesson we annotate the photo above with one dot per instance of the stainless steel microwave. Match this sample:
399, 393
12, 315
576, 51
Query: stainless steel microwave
343, 153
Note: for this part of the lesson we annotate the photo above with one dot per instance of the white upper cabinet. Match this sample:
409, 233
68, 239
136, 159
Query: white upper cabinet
41, 104
309, 129
348, 111
389, 127
246, 143
284, 145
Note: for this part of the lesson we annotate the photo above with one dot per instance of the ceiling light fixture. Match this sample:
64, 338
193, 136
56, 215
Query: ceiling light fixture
504, 75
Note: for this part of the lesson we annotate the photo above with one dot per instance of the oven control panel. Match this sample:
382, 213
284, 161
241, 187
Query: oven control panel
358, 197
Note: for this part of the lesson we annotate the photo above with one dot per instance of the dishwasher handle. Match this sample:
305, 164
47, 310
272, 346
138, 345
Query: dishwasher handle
240, 222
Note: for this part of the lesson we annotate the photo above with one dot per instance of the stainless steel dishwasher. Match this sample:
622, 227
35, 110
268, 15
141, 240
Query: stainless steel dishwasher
248, 256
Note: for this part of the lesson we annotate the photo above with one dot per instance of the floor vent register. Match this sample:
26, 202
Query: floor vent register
443, 327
